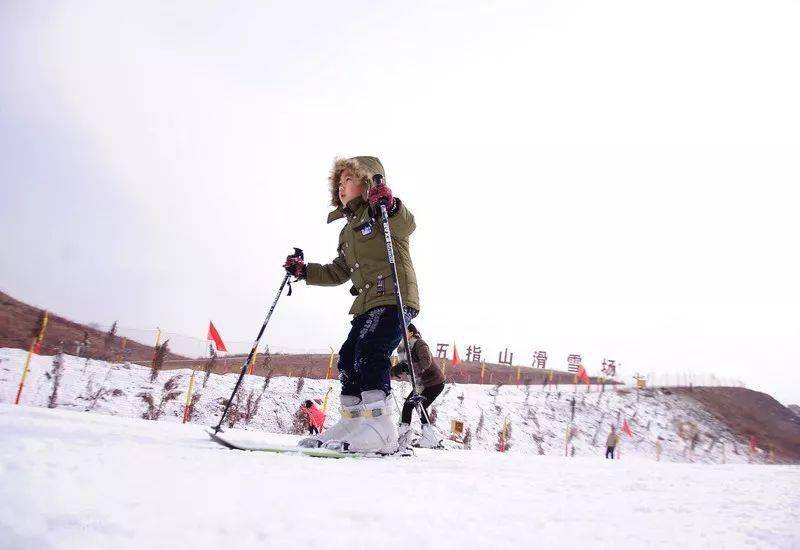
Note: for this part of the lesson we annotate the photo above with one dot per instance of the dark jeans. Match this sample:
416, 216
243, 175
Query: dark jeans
312, 430
364, 357
430, 394
609, 452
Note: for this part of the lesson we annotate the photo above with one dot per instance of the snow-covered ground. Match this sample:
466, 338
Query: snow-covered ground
538, 418
73, 480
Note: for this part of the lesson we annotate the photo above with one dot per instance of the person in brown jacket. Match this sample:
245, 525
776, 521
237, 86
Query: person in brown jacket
611, 442
430, 378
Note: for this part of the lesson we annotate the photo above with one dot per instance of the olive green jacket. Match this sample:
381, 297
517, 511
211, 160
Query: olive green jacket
362, 258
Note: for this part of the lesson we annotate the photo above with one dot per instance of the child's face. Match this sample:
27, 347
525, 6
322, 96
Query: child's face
349, 186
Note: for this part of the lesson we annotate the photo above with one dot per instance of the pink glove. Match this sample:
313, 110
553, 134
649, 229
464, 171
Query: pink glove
295, 266
379, 193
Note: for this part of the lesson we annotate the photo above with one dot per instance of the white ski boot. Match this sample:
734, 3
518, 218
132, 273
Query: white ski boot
431, 439
352, 413
377, 432
405, 436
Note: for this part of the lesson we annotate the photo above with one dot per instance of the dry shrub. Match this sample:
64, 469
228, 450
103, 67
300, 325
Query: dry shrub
155, 408
266, 361
195, 399
494, 391
532, 416
243, 408
538, 439
234, 414
267, 378
55, 374
208, 366
161, 352
93, 395
152, 412
108, 342
251, 405
467, 441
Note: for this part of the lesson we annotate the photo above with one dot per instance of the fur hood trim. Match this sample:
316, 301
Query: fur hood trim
364, 167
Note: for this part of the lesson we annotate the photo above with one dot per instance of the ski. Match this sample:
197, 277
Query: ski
291, 450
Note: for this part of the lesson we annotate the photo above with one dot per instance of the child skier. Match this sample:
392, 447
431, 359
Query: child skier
314, 416
366, 423
430, 377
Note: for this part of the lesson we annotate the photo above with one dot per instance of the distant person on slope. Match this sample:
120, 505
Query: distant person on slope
315, 417
611, 442
430, 378
366, 424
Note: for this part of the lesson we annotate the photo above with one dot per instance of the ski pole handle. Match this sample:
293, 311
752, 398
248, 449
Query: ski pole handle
383, 202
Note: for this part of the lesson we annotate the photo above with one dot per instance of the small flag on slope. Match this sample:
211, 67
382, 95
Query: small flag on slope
626, 428
456, 360
214, 335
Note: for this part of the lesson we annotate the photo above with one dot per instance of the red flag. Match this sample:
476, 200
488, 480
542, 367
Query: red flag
582, 375
456, 360
626, 428
214, 335
37, 347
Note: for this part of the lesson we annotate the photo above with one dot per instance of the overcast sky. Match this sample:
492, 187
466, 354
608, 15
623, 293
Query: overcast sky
615, 179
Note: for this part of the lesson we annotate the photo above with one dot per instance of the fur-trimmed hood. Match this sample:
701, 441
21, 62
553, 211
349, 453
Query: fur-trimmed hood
364, 167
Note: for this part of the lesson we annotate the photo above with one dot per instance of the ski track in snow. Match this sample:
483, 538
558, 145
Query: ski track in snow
74, 480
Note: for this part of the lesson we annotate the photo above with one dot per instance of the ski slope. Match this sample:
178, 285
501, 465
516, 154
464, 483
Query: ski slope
538, 418
72, 480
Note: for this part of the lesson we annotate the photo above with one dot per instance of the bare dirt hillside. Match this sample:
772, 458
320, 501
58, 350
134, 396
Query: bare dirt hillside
749, 412
18, 322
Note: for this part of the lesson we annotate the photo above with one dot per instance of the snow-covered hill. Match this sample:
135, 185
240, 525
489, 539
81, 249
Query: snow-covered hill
538, 419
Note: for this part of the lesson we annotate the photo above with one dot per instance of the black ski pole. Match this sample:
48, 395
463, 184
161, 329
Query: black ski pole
415, 398
298, 253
